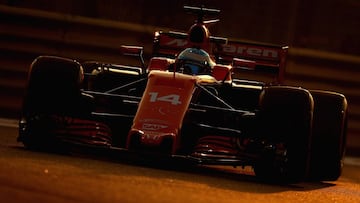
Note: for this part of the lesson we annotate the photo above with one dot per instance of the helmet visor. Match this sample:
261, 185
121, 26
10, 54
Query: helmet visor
192, 68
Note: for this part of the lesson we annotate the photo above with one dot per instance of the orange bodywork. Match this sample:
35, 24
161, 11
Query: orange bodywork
222, 72
162, 108
160, 63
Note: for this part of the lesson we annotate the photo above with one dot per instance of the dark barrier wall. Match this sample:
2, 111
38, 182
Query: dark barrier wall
324, 24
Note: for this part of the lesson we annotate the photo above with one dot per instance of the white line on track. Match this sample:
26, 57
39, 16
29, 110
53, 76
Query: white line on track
5, 122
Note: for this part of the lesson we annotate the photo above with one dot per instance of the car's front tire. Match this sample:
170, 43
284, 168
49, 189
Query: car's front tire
285, 119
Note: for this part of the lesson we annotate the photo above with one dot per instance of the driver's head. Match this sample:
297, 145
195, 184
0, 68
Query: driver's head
194, 61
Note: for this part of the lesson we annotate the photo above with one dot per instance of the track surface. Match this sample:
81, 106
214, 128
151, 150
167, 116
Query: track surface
27, 176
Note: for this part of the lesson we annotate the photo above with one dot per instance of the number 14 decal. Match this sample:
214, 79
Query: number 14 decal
174, 99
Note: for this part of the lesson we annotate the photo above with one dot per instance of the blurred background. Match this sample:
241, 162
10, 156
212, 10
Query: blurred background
323, 36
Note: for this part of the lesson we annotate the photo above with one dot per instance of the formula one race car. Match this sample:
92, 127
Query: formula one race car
204, 99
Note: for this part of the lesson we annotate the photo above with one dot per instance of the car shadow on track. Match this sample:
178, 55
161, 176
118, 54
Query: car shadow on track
115, 163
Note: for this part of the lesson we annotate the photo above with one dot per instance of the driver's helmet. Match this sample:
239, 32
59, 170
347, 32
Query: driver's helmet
194, 61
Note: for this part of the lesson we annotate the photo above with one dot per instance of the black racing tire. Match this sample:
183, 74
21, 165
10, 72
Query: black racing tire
53, 89
54, 86
285, 116
329, 135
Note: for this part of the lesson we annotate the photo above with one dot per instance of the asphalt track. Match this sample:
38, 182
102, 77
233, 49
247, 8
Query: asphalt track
39, 177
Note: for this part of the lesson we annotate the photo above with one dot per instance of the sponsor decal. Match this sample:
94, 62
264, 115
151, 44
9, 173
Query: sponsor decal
177, 42
251, 51
151, 137
231, 48
153, 127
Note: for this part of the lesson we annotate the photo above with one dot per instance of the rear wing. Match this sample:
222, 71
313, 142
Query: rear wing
169, 44
251, 57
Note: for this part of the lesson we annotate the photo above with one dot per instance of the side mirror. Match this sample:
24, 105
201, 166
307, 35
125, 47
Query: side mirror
243, 64
134, 51
131, 50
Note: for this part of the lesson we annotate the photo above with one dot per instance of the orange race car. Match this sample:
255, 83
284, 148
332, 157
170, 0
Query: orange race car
204, 99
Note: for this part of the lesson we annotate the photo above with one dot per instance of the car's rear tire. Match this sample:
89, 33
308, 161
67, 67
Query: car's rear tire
285, 117
329, 135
